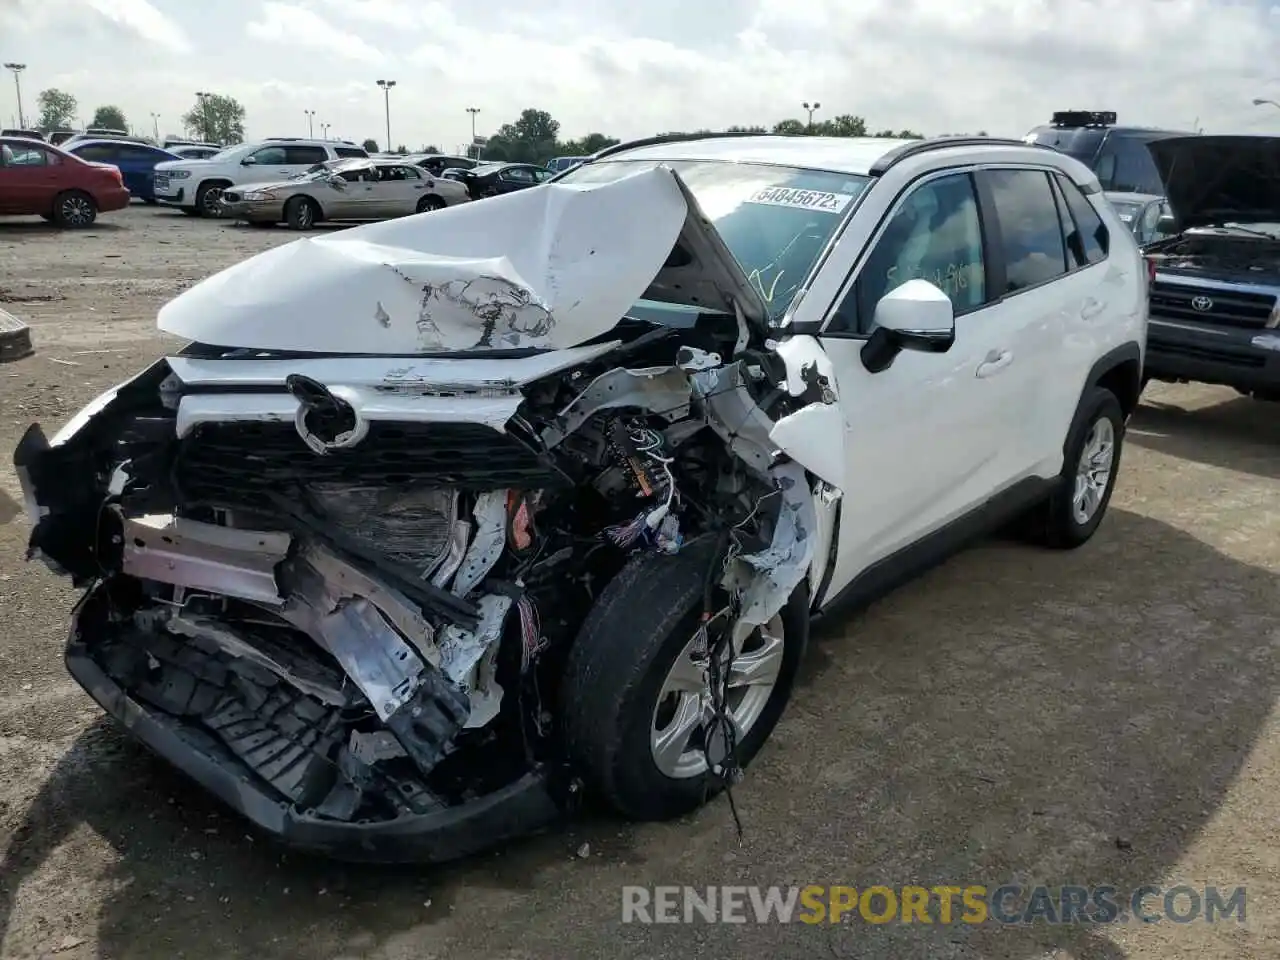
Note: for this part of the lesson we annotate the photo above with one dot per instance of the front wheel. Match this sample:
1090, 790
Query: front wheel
209, 200
301, 213
1090, 466
636, 698
430, 203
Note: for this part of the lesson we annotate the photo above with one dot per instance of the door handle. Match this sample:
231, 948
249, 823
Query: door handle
1091, 308
996, 361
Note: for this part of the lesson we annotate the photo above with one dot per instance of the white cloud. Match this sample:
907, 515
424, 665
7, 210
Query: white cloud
145, 20
632, 69
288, 23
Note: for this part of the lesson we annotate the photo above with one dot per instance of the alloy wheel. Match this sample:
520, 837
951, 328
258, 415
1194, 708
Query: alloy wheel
77, 211
1093, 470
683, 718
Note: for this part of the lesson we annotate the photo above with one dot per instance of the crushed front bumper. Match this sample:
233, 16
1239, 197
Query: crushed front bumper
253, 211
523, 807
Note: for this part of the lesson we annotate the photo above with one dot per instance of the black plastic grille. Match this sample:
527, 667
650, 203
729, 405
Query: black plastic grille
252, 463
1233, 308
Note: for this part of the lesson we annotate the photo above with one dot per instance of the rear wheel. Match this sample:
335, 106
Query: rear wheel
1090, 466
430, 203
74, 209
637, 698
301, 213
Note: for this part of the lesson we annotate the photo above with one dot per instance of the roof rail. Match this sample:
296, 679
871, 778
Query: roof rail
907, 150
674, 138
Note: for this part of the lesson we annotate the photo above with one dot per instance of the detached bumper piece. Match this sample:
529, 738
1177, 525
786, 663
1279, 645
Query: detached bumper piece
15, 338
267, 749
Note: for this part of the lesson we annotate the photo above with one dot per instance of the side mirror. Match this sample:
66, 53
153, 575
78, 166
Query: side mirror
1167, 225
914, 316
248, 161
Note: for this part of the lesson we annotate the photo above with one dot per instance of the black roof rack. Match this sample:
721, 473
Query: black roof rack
900, 153
1083, 118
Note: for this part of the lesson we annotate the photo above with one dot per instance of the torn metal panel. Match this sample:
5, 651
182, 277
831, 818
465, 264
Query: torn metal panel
661, 390
368, 403
814, 436
735, 416
202, 556
344, 581
486, 547
808, 366
426, 374
544, 268
768, 578
465, 652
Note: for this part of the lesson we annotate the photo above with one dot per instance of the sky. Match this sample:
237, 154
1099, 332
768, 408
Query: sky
630, 69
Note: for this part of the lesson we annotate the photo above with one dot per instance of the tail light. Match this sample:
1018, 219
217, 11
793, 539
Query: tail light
1151, 271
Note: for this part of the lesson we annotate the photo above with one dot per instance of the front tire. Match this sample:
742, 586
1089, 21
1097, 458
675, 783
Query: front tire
301, 213
626, 701
74, 209
209, 200
430, 203
1090, 466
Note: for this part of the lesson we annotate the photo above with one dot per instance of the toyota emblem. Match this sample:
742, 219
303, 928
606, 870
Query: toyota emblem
1202, 304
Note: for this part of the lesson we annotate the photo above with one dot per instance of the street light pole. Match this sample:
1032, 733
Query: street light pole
324, 129
1258, 103
155, 124
811, 107
473, 111
311, 130
17, 69
206, 133
386, 86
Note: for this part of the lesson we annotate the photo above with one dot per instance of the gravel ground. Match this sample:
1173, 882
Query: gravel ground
1103, 716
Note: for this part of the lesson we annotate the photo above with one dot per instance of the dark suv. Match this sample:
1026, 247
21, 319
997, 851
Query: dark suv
1215, 295
1118, 156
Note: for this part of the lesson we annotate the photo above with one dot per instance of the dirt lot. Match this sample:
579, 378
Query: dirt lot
1104, 716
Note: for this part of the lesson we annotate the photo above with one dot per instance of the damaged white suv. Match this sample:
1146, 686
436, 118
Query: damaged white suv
441, 524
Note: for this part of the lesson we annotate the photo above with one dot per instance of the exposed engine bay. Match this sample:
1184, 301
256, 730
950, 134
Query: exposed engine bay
1213, 252
357, 594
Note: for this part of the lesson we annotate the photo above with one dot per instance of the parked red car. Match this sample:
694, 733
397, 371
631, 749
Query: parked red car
37, 178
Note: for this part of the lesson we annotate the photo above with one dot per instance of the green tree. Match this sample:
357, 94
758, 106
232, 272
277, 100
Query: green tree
533, 138
57, 109
591, 143
402, 150
430, 148
844, 125
790, 127
111, 117
216, 118
370, 145
745, 130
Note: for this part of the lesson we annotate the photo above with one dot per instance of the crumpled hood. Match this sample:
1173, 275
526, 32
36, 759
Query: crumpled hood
1213, 180
547, 268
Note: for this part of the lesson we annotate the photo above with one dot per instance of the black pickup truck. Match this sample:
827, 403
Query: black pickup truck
1215, 296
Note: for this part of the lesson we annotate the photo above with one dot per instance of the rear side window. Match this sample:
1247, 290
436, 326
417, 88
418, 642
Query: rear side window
1125, 165
140, 154
304, 155
346, 152
1085, 224
98, 153
1033, 246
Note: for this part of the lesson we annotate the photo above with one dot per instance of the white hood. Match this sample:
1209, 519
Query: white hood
549, 267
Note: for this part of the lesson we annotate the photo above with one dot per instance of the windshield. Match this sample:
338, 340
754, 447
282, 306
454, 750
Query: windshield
775, 220
1079, 142
227, 152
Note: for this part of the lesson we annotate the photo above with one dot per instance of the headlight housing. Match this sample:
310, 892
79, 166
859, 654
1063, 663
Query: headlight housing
176, 174
260, 195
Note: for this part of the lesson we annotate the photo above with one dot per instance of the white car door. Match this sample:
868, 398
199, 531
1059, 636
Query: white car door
922, 436
266, 165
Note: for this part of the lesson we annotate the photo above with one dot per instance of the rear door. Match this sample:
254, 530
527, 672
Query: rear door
397, 191
138, 166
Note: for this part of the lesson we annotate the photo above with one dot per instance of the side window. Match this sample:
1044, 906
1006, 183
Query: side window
140, 154
1034, 251
1105, 168
347, 152
1149, 229
518, 174
304, 156
935, 235
98, 153
23, 156
1135, 169
270, 156
1094, 240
